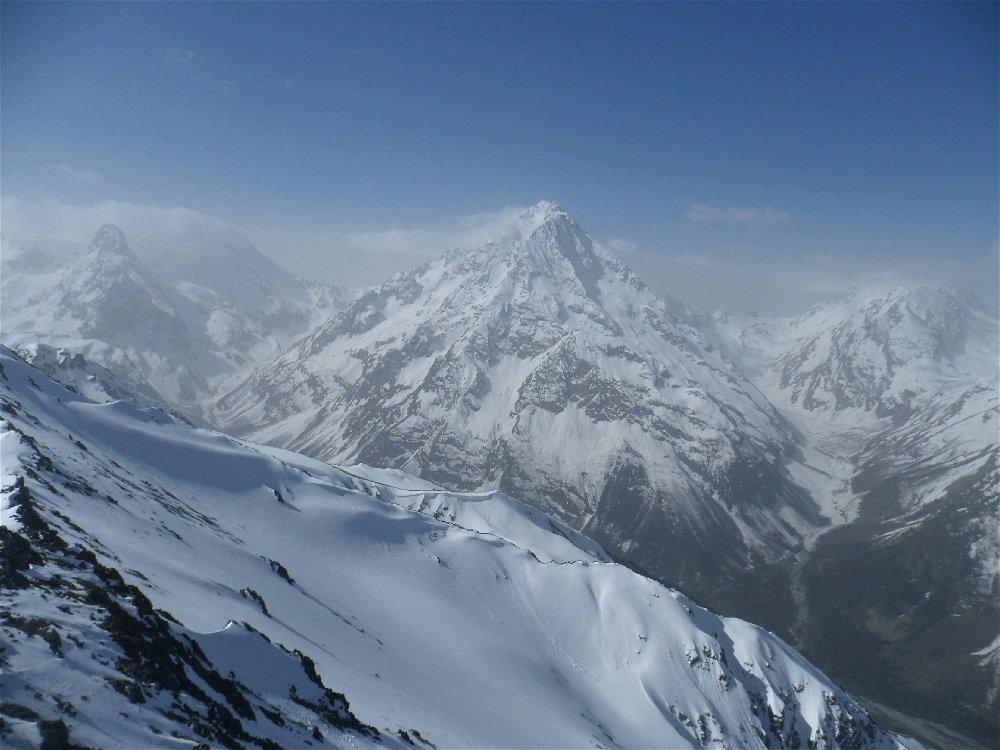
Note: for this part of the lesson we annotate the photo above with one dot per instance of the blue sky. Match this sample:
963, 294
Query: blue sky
717, 133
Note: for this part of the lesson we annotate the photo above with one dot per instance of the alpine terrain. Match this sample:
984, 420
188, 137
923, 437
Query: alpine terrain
541, 366
894, 394
165, 586
832, 476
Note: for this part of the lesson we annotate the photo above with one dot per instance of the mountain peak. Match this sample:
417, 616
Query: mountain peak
111, 239
542, 213
546, 210
525, 223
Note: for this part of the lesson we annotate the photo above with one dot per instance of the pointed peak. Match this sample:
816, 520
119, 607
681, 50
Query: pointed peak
543, 214
111, 239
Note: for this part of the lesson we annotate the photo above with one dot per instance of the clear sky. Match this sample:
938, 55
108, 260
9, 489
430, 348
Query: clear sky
713, 135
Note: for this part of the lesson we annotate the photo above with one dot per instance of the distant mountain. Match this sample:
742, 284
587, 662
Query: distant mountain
167, 585
873, 352
175, 320
106, 306
895, 396
251, 307
540, 365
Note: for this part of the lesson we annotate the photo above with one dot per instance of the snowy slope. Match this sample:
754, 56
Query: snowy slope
90, 380
540, 365
505, 633
192, 307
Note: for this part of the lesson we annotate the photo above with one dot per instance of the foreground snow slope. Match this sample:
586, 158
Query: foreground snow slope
510, 632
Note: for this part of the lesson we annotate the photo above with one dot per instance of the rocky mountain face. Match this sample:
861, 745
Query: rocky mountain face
895, 394
172, 324
541, 366
168, 585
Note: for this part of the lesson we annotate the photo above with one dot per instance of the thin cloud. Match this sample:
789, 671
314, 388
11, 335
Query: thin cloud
622, 246
702, 213
88, 176
191, 64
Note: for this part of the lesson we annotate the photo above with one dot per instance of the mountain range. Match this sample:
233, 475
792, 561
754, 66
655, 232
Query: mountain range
832, 476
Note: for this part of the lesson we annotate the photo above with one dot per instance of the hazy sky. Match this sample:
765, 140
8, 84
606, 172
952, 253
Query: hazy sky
700, 141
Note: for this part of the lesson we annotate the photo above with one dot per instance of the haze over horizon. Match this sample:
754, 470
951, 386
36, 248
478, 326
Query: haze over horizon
743, 157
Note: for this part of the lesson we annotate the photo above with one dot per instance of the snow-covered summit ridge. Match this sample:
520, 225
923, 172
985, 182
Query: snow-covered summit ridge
543, 232
546, 243
914, 322
401, 611
531, 220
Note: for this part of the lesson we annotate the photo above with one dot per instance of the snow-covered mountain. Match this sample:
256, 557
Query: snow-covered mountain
786, 470
164, 585
869, 354
540, 365
175, 319
894, 394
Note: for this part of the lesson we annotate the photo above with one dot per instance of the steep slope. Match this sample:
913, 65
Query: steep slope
895, 394
130, 540
923, 560
540, 365
192, 309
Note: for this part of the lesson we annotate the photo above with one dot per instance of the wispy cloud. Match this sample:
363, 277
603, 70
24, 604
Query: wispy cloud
702, 213
88, 176
194, 66
622, 246
367, 257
